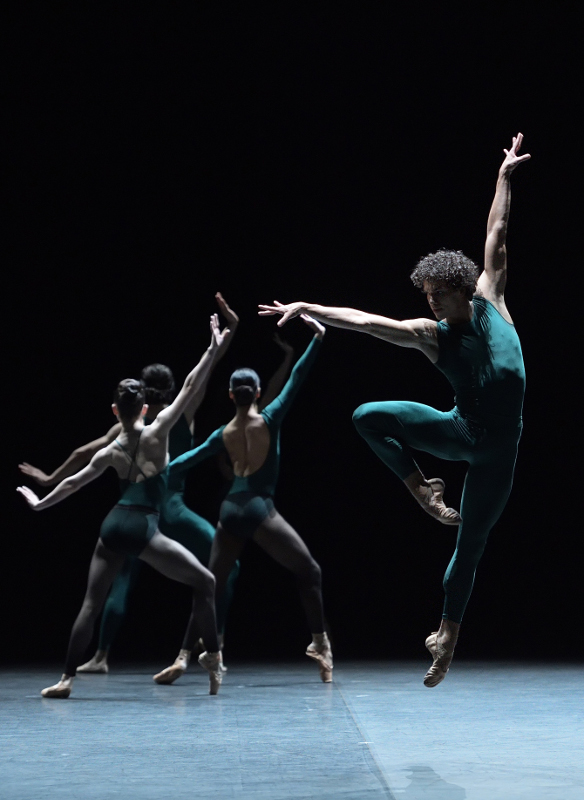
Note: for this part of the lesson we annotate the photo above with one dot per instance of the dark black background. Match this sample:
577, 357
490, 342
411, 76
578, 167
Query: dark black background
290, 153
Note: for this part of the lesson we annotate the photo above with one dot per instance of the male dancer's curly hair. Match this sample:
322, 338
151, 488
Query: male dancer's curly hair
451, 267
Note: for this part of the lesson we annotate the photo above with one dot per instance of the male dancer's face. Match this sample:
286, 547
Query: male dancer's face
444, 301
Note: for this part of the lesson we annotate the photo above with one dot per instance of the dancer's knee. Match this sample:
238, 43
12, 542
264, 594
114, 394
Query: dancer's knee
362, 416
309, 574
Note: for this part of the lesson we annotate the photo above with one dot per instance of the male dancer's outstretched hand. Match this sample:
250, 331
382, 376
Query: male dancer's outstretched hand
288, 311
511, 157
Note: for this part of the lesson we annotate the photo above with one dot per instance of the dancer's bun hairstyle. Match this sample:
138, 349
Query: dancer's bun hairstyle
129, 398
244, 384
158, 381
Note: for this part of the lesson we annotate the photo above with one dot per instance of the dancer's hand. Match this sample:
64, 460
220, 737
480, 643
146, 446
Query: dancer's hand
511, 157
29, 496
217, 335
230, 316
36, 474
314, 325
283, 344
287, 311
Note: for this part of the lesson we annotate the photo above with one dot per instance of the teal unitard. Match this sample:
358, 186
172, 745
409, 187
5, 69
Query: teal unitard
178, 522
483, 362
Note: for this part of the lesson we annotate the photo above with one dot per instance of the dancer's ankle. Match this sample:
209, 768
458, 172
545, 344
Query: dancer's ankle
448, 633
416, 482
319, 639
100, 655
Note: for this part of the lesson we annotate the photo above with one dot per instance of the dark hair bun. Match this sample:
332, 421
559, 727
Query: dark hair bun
244, 395
159, 382
244, 384
129, 397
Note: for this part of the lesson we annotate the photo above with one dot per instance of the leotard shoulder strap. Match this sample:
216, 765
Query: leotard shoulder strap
131, 458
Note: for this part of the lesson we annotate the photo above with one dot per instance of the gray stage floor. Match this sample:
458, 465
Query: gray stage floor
489, 731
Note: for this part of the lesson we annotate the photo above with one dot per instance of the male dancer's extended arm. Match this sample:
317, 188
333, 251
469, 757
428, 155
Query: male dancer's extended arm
492, 281
78, 459
416, 333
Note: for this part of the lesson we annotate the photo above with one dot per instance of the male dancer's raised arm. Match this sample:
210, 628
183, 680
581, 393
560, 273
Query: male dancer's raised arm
492, 281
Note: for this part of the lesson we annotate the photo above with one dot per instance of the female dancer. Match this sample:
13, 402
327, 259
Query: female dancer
177, 520
140, 457
252, 442
475, 345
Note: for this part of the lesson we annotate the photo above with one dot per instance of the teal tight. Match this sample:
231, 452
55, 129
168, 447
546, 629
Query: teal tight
178, 522
394, 429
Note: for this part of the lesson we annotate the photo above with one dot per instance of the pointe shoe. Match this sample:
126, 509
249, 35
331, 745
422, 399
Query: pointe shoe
60, 690
94, 666
431, 500
174, 672
442, 660
212, 663
324, 657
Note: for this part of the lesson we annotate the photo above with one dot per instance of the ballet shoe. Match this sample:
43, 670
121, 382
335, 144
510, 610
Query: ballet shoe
212, 663
442, 660
60, 690
175, 671
323, 655
94, 666
431, 499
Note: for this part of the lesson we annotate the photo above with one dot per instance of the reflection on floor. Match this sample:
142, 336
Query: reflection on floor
490, 731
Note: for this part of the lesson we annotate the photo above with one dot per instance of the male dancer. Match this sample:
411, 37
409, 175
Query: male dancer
475, 345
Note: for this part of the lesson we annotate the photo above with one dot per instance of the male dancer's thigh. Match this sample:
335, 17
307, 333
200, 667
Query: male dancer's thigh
179, 522
419, 426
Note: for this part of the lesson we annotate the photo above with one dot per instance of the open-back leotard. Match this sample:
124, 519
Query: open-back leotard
250, 498
133, 521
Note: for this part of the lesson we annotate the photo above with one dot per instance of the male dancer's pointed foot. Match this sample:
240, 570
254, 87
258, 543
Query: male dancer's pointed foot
431, 498
442, 658
60, 690
212, 663
320, 650
175, 671
97, 664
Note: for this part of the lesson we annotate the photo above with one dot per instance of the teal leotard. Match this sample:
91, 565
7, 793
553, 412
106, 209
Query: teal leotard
482, 360
250, 498
178, 522
133, 521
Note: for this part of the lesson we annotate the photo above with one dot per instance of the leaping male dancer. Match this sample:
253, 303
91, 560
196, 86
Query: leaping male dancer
473, 343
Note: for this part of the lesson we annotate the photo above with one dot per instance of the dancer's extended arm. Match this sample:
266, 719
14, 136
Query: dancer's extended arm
171, 414
73, 463
98, 464
491, 283
232, 321
277, 380
277, 409
417, 333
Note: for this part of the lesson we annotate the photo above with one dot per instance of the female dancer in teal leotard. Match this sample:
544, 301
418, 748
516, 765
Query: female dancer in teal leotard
474, 343
140, 457
252, 442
